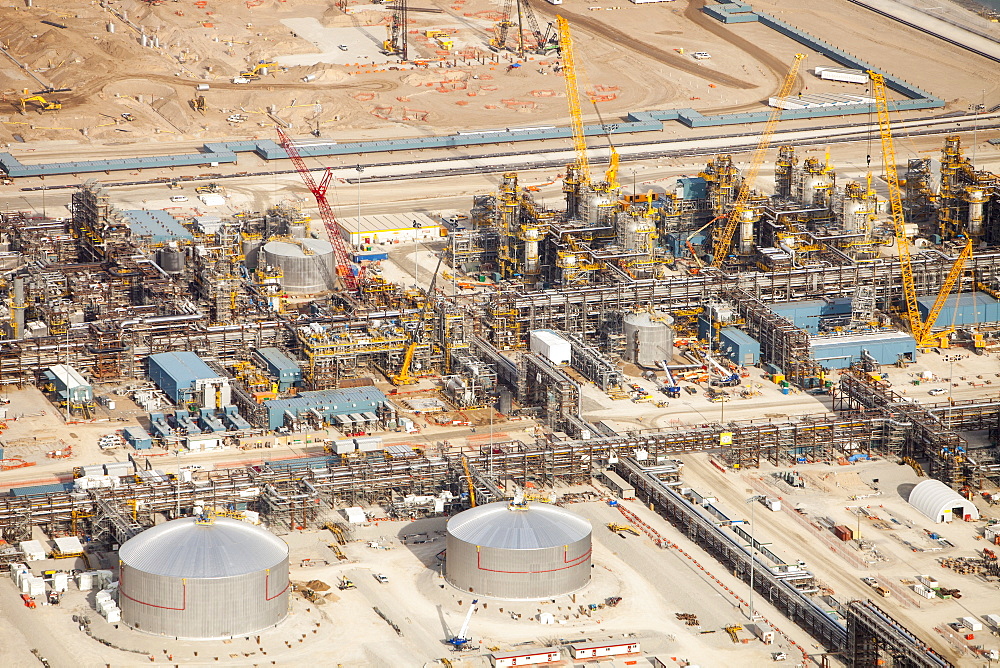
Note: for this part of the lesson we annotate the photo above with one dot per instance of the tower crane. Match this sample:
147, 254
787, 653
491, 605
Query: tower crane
459, 641
724, 234
344, 268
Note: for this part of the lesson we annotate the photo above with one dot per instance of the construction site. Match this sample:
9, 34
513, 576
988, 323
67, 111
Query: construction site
310, 350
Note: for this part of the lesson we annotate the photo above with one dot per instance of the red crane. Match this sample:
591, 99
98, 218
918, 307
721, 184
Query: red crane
344, 269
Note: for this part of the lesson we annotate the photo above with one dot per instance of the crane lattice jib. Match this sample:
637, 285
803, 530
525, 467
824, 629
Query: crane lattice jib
325, 211
924, 338
573, 96
529, 17
725, 236
896, 204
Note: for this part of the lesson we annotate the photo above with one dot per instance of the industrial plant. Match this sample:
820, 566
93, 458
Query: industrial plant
710, 385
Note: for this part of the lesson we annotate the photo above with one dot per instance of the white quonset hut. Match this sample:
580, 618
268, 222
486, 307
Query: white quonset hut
203, 579
941, 503
518, 552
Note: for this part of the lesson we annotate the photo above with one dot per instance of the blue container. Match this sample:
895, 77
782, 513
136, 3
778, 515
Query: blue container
786, 390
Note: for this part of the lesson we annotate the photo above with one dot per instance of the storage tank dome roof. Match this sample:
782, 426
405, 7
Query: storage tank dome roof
538, 526
187, 548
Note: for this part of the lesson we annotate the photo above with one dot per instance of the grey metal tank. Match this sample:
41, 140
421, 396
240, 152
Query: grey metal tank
171, 260
203, 580
307, 265
649, 338
528, 552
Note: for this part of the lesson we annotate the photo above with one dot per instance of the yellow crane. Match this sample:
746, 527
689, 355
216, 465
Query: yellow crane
582, 164
468, 481
926, 339
724, 233
403, 377
43, 104
896, 203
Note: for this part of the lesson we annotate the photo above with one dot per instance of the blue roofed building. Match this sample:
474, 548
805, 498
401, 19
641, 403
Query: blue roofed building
280, 366
886, 347
965, 308
156, 226
348, 408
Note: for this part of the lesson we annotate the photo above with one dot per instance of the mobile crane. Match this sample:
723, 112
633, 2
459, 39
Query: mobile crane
461, 640
740, 209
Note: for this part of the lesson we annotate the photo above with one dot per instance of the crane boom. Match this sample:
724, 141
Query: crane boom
724, 236
461, 639
573, 97
896, 204
923, 337
344, 269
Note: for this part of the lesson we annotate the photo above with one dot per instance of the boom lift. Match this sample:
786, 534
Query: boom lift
459, 641
344, 269
724, 234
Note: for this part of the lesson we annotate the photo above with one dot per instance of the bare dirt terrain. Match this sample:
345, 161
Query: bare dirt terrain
329, 75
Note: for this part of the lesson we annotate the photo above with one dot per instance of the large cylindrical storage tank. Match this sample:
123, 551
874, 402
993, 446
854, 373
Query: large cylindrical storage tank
514, 552
171, 260
307, 265
203, 579
649, 338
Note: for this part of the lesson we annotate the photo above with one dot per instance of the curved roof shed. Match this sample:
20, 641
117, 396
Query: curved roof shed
941, 503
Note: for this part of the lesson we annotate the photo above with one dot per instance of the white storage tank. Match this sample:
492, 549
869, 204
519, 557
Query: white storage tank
551, 346
203, 579
649, 338
307, 265
518, 552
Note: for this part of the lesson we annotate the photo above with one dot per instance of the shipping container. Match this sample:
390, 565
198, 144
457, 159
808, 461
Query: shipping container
844, 533
551, 346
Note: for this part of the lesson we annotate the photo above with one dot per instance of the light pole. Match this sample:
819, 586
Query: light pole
360, 171
416, 228
753, 500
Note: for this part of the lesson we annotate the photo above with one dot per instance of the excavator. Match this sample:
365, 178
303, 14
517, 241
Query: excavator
258, 70
404, 377
43, 104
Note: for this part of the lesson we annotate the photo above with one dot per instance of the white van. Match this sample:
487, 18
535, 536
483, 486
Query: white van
179, 198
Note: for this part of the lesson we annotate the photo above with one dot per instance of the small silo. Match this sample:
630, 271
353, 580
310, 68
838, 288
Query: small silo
171, 260
649, 338
307, 265
518, 551
203, 579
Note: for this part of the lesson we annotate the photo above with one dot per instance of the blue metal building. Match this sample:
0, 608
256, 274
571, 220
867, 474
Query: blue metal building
965, 308
738, 346
184, 377
345, 407
838, 352
137, 437
281, 367
808, 313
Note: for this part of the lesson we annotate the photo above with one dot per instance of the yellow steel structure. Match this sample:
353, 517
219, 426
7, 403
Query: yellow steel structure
896, 204
573, 97
724, 237
468, 481
924, 337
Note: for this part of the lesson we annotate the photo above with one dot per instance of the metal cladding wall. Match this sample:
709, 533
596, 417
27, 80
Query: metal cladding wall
204, 582
520, 554
301, 272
